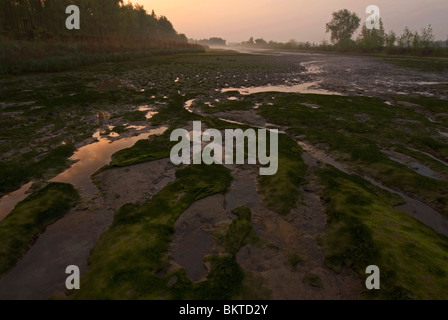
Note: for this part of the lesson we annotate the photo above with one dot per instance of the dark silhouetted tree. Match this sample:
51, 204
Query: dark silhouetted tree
342, 26
260, 42
390, 39
100, 20
372, 39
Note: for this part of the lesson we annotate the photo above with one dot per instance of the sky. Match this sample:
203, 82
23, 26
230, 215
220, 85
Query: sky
282, 20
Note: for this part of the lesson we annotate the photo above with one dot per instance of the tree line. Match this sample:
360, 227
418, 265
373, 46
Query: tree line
343, 26
214, 41
100, 19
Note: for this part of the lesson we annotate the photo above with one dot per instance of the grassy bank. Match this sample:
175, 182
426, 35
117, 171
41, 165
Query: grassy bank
364, 229
30, 217
281, 192
357, 129
14, 174
130, 260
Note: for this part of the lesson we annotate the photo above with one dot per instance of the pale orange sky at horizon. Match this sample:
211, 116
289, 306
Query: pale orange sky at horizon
282, 20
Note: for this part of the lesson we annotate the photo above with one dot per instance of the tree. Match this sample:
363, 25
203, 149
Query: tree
260, 42
372, 39
405, 40
416, 41
101, 19
293, 43
214, 41
217, 41
342, 26
390, 39
427, 37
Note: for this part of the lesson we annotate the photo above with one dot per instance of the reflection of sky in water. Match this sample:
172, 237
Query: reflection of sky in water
138, 128
89, 159
298, 88
92, 157
9, 201
144, 108
413, 207
188, 105
151, 113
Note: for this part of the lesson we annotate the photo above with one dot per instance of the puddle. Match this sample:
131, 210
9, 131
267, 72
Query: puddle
9, 201
232, 121
144, 108
151, 114
188, 105
150, 111
70, 240
412, 164
418, 167
243, 191
313, 106
430, 155
311, 67
428, 83
138, 128
254, 124
195, 246
424, 170
413, 207
270, 126
308, 88
193, 238
418, 210
92, 157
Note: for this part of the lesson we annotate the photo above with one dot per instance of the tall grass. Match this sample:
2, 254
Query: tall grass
49, 56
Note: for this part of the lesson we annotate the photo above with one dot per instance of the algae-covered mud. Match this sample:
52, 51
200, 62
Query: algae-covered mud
86, 179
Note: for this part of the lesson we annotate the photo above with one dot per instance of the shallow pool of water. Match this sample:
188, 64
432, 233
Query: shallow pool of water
232, 121
137, 128
144, 108
188, 105
416, 166
94, 156
308, 88
412, 207
429, 155
9, 201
